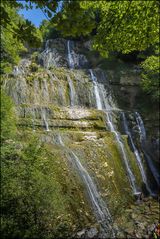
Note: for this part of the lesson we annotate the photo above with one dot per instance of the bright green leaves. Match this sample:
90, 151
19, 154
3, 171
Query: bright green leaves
15, 33
11, 46
119, 26
128, 26
7, 118
150, 76
74, 21
123, 26
32, 201
48, 31
47, 6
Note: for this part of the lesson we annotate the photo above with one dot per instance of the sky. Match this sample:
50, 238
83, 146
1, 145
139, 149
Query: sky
34, 15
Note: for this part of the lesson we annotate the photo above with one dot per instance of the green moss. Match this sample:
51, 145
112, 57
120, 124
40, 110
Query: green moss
30, 78
34, 56
33, 67
99, 153
133, 162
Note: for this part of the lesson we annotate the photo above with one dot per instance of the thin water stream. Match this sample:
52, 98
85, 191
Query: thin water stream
70, 55
72, 93
142, 133
100, 208
117, 135
44, 118
136, 153
96, 90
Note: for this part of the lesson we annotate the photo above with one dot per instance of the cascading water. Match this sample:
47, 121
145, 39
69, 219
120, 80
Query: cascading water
142, 133
124, 156
70, 55
136, 153
101, 211
36, 91
96, 90
141, 127
45, 91
99, 206
16, 70
33, 119
108, 102
71, 91
112, 129
44, 118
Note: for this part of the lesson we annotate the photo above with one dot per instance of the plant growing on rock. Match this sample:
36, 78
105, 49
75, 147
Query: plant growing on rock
150, 77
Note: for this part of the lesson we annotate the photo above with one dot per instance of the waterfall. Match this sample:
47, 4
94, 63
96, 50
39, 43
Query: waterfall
136, 153
124, 156
16, 71
142, 133
96, 90
36, 91
45, 91
47, 45
141, 127
44, 118
98, 95
33, 119
71, 91
47, 56
106, 94
70, 55
101, 211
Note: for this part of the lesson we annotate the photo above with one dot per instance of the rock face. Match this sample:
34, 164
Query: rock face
56, 54
76, 111
139, 220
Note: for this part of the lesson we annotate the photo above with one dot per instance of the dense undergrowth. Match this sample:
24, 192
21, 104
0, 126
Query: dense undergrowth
40, 199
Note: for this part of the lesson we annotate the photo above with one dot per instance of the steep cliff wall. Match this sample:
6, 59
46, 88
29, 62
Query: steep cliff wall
77, 113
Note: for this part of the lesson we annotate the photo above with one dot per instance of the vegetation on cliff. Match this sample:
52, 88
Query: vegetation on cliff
38, 190
43, 196
122, 27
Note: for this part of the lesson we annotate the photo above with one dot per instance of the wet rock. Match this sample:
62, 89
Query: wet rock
55, 54
142, 225
81, 233
92, 233
121, 234
88, 45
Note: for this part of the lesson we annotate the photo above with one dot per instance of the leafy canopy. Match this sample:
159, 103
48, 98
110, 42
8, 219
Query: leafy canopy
117, 26
123, 26
150, 77
17, 34
7, 117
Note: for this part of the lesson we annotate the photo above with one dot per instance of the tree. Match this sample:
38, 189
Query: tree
73, 20
15, 33
123, 26
31, 200
7, 117
48, 31
150, 77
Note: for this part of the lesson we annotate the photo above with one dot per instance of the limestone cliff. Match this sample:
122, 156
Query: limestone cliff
76, 105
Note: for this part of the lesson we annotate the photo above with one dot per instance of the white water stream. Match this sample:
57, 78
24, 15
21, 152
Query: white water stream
70, 55
142, 133
136, 153
45, 91
96, 90
44, 118
101, 211
72, 93
117, 135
